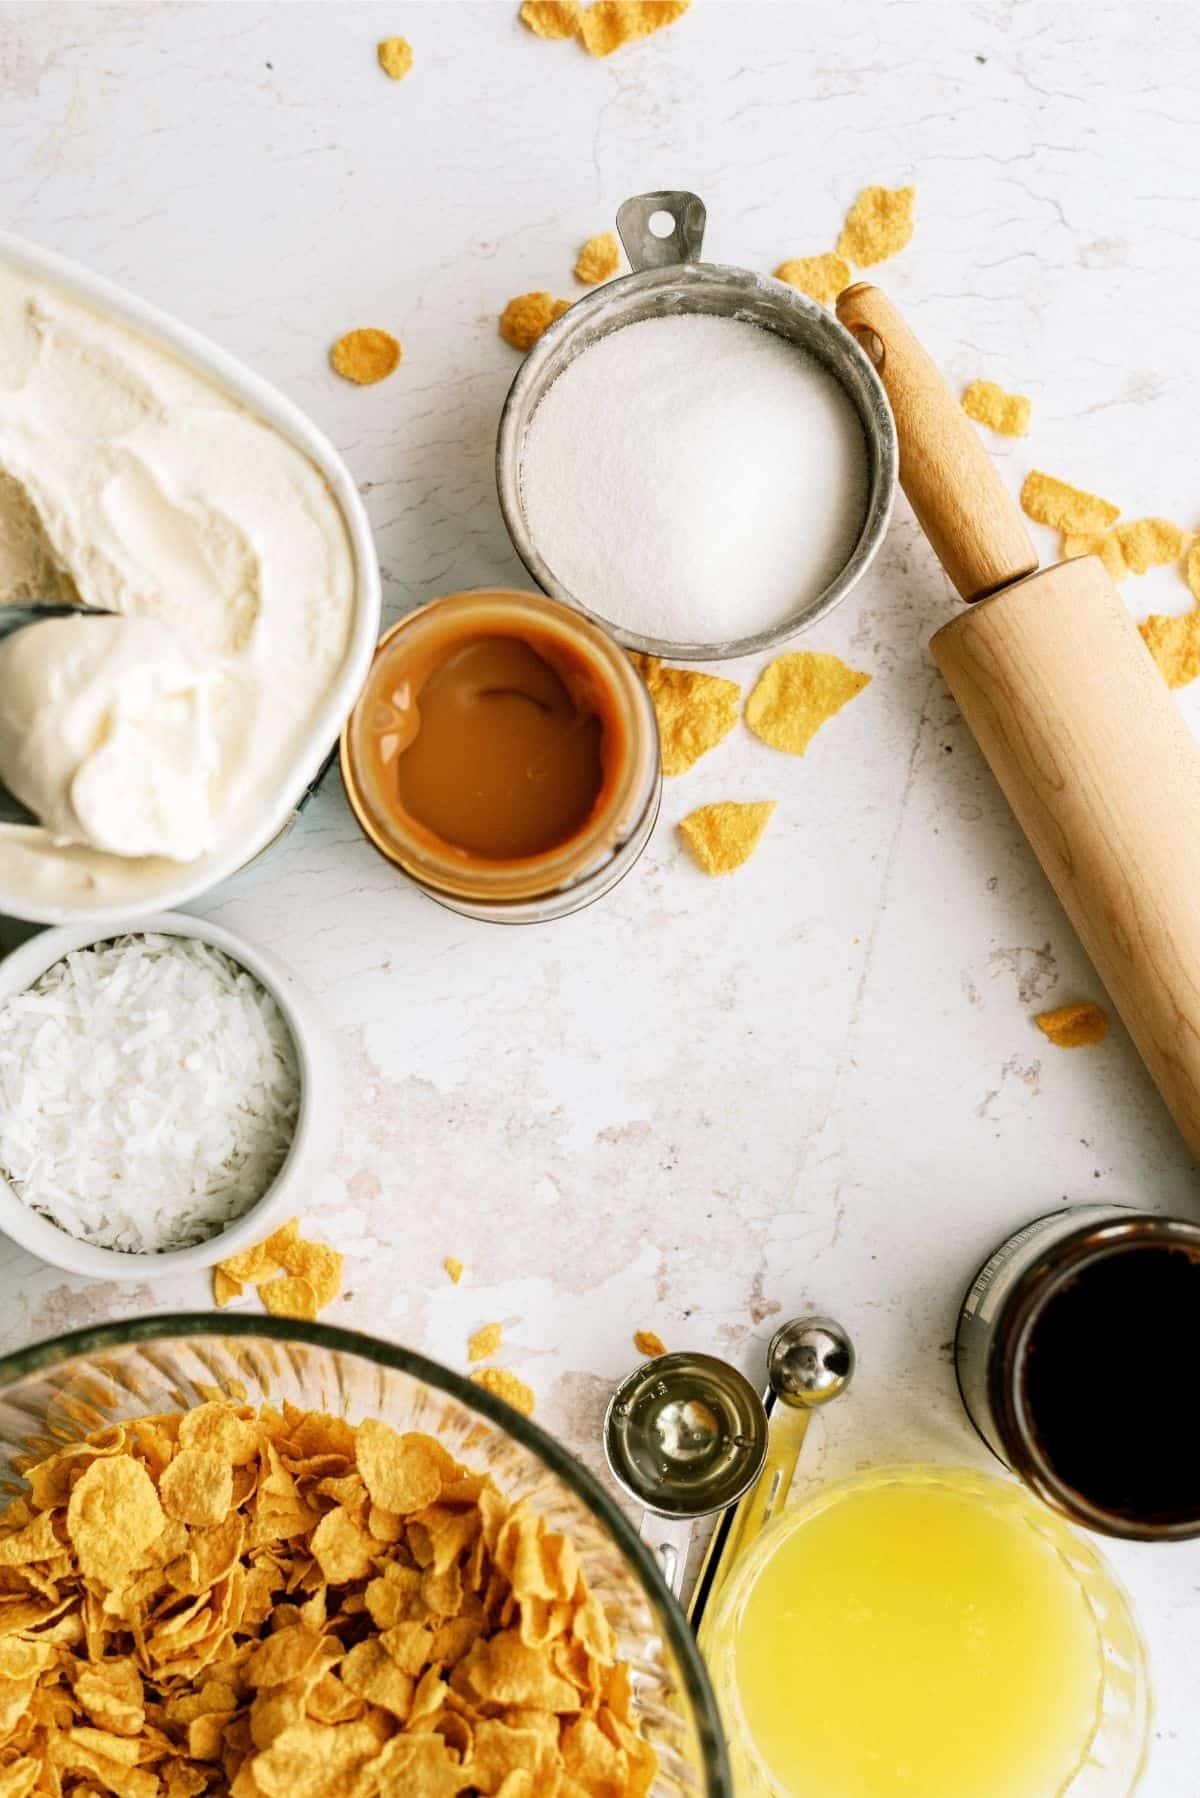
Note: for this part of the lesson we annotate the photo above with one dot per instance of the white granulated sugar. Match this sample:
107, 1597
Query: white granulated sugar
695, 478
148, 1093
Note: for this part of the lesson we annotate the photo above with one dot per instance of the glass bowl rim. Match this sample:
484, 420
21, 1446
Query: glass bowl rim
98, 1338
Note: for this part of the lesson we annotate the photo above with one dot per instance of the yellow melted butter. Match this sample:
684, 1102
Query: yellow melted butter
912, 1642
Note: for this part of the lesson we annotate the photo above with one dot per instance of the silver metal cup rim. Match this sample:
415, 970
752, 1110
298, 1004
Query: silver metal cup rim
878, 429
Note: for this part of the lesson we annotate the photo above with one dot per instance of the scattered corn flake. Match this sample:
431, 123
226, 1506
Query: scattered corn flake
526, 317
395, 57
1174, 642
822, 278
1105, 544
1148, 543
485, 1342
310, 1273
289, 1296
225, 1287
248, 1266
1191, 569
694, 710
1074, 1026
796, 694
599, 259
723, 836
503, 1383
878, 225
648, 1344
988, 404
1047, 500
317, 1263
607, 25
552, 18
454, 1268
365, 356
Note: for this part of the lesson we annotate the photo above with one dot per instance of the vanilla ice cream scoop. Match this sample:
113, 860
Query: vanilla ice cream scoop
106, 734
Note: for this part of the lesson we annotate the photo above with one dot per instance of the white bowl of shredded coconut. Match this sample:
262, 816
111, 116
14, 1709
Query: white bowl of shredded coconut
163, 1093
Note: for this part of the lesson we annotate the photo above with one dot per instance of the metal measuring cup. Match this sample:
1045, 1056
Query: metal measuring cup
685, 1435
668, 278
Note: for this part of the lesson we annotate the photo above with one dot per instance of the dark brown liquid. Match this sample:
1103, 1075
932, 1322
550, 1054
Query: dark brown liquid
1109, 1382
506, 758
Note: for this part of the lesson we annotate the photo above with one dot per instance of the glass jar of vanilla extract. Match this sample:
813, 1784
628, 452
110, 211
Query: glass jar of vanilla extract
1077, 1349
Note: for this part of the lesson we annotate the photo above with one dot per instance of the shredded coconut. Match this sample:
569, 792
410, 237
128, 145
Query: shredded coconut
148, 1093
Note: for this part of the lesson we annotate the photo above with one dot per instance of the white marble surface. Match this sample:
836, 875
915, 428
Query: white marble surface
700, 1105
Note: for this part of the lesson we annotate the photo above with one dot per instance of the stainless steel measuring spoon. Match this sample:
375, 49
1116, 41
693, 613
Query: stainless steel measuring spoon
810, 1363
685, 1435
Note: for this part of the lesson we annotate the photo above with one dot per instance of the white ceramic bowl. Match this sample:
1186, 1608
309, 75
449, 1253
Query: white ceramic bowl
253, 833
316, 1124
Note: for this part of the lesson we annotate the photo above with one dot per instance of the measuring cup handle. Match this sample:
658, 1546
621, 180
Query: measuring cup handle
644, 247
669, 1539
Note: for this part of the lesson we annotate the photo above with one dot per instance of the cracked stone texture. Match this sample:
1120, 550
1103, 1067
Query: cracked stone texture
699, 1106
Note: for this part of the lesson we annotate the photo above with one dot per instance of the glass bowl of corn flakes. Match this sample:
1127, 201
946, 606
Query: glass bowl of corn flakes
261, 1558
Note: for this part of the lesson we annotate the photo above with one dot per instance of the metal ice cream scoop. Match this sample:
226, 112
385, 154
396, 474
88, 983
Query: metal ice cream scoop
18, 613
14, 617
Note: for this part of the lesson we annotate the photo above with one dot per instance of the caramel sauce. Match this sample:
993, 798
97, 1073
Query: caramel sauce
497, 741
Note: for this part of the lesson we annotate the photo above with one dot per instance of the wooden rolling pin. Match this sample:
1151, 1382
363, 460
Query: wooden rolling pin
1069, 708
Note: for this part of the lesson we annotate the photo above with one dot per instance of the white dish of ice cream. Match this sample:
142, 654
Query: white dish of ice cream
146, 472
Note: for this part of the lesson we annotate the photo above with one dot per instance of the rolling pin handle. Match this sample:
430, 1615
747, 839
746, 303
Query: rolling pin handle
959, 499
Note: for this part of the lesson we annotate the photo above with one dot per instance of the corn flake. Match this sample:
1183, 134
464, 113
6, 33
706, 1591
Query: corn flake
647, 1343
501, 1382
454, 1268
225, 1287
485, 1342
607, 25
311, 1274
367, 1617
1191, 569
599, 260
315, 1262
1050, 501
694, 710
1174, 642
395, 57
822, 278
197, 1487
552, 18
722, 837
525, 318
878, 225
988, 404
798, 693
1148, 543
365, 356
289, 1296
113, 1519
1105, 544
1074, 1026
402, 1473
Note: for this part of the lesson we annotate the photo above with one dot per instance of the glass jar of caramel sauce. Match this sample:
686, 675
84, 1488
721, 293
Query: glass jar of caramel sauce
504, 755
